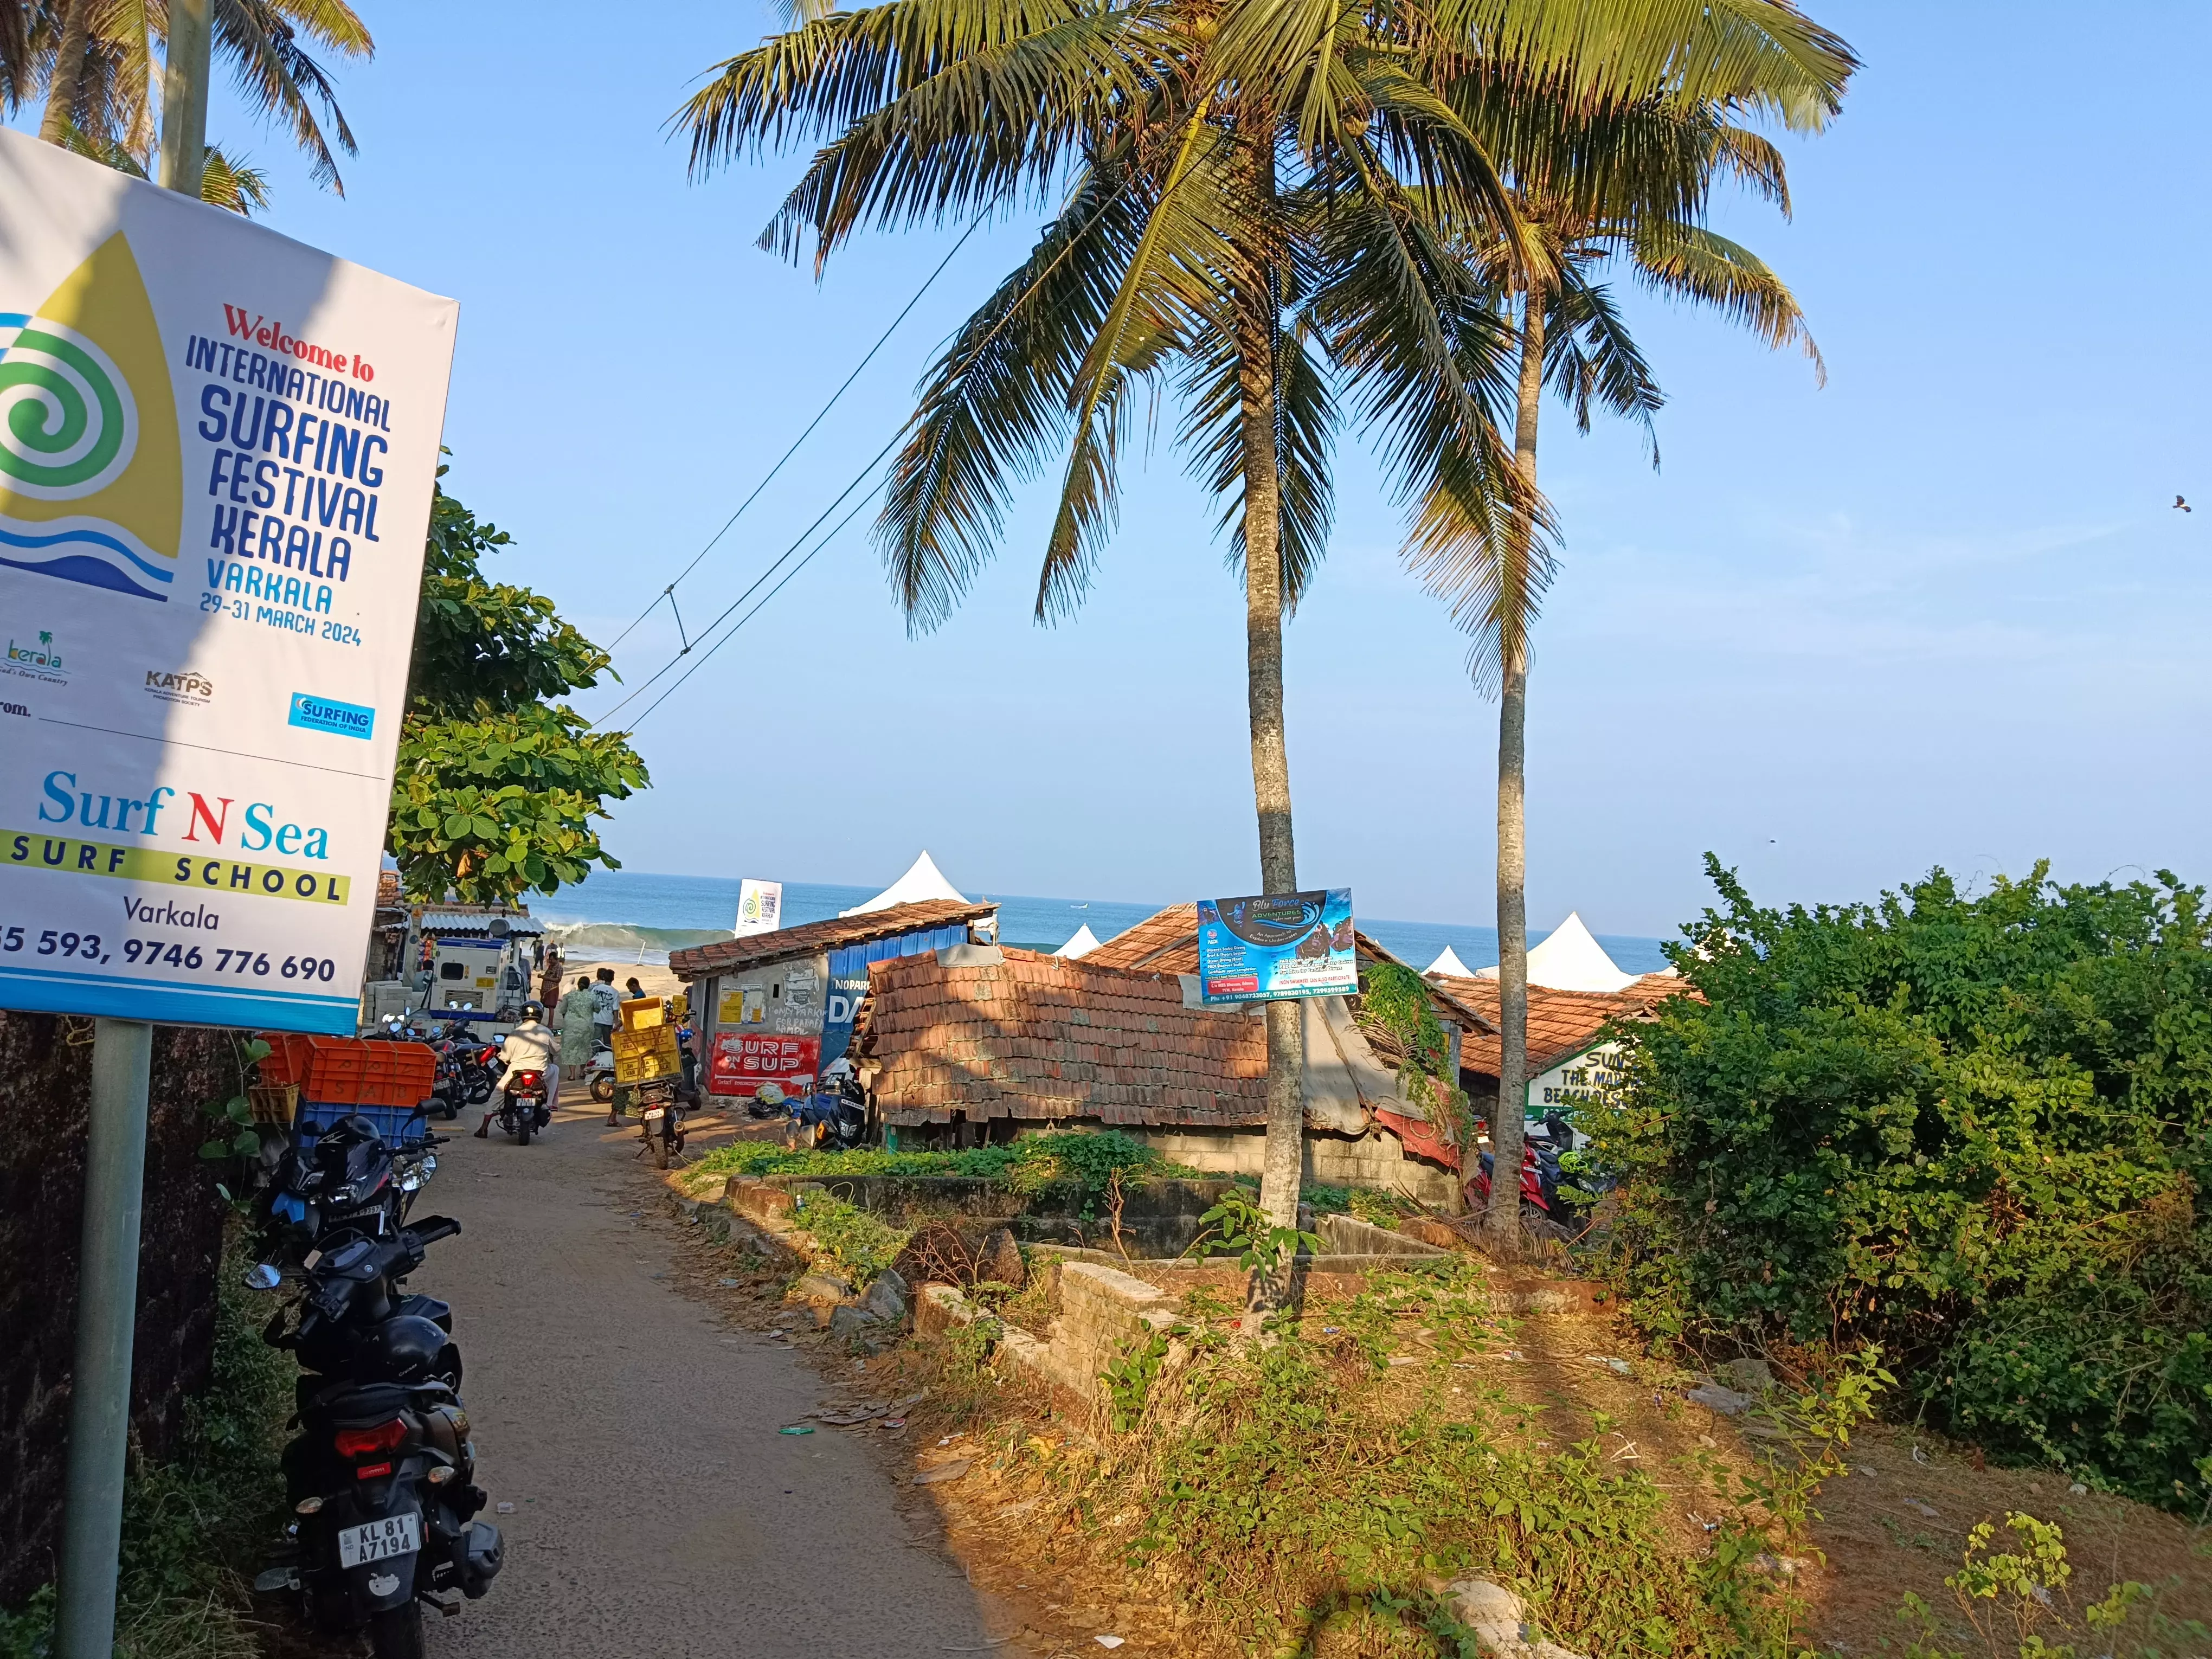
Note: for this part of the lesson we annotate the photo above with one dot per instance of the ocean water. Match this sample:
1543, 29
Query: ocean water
621, 912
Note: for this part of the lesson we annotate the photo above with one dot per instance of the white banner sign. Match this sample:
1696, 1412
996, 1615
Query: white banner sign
217, 450
760, 905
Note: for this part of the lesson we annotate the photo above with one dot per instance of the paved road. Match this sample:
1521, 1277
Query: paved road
657, 1513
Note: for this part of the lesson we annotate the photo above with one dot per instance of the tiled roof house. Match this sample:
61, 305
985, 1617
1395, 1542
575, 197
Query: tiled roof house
1119, 1038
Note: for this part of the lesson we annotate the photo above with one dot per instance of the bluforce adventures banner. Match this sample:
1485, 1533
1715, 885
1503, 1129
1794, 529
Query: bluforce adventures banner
1261, 948
217, 450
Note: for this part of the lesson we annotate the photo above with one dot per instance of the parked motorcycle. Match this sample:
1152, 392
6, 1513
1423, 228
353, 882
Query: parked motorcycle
380, 1476
835, 1118
524, 1107
660, 1119
1564, 1197
349, 1180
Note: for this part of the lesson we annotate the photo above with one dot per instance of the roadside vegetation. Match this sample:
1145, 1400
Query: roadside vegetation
196, 1527
1315, 1491
1033, 1164
1973, 1128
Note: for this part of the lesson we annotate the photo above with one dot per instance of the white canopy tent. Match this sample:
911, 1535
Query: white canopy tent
1448, 966
1082, 945
922, 881
1571, 960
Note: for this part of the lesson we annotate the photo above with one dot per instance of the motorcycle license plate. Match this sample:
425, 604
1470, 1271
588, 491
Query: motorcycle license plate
655, 1114
379, 1540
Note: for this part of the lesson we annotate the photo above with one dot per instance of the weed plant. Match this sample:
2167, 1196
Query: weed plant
2017, 1603
1085, 1161
1301, 1482
195, 1527
850, 1239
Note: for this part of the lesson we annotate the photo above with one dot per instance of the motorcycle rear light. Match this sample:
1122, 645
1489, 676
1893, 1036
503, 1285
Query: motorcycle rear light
367, 1442
371, 1471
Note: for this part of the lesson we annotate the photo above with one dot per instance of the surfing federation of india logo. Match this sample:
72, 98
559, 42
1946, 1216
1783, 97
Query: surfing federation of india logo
91, 479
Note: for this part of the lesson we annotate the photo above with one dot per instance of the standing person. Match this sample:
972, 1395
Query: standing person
607, 1007
530, 1046
575, 1018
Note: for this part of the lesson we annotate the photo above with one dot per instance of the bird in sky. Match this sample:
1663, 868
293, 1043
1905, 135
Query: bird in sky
2183, 504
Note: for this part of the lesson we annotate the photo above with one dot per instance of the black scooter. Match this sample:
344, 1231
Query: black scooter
380, 1476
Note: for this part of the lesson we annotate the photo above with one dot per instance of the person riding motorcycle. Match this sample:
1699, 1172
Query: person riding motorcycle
530, 1046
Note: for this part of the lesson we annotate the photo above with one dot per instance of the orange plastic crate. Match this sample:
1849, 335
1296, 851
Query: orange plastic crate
399, 1074
287, 1059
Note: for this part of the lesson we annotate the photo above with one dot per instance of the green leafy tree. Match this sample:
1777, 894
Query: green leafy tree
498, 782
1975, 1129
1260, 206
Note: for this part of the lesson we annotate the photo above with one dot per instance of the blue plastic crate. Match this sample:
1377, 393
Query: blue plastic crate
399, 1126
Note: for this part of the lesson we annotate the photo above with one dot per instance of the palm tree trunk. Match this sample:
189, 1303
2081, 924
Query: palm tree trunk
1263, 665
69, 72
1501, 1220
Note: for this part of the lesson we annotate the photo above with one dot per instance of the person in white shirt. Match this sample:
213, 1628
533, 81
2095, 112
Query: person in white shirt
530, 1046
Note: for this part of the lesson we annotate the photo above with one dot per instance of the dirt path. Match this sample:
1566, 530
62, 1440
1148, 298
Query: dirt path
656, 1511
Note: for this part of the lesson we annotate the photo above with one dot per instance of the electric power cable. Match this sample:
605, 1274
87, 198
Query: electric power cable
882, 339
755, 611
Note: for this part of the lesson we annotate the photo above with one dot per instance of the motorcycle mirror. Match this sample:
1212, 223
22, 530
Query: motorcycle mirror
262, 1277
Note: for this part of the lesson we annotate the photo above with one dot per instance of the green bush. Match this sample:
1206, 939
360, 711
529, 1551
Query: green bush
1971, 1128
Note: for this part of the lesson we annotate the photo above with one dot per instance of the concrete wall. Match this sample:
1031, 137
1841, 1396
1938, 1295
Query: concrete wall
791, 995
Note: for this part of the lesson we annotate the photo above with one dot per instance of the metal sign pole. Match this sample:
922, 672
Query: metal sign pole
115, 1139
106, 1306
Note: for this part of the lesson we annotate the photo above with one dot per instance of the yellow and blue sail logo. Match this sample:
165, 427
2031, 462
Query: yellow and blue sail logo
91, 480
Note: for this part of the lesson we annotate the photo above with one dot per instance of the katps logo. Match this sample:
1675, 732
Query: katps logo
91, 480
187, 686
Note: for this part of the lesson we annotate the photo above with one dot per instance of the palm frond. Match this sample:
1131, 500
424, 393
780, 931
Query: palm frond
1173, 271
1211, 433
224, 183
969, 137
1765, 55
277, 77
1590, 356
814, 82
996, 402
1689, 262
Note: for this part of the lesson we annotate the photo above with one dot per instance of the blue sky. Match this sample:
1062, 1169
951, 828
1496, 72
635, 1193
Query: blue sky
1939, 612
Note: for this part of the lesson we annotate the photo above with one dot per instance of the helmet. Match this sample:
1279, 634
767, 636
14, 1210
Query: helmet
353, 1160
411, 1349
534, 1010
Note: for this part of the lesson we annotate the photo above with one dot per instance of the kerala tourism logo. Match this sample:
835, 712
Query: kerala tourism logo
91, 480
39, 659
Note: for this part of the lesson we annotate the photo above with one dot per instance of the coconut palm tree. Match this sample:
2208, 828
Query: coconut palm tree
1255, 207
101, 58
1572, 337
